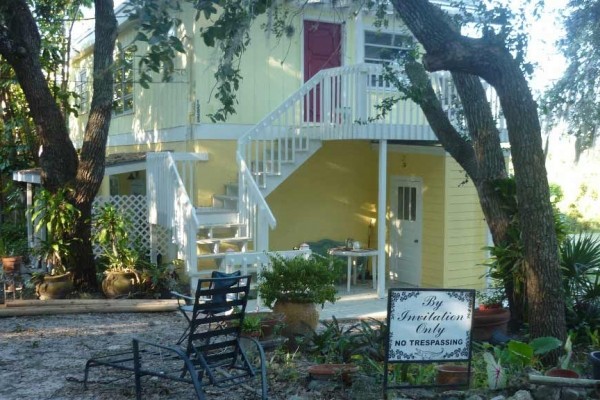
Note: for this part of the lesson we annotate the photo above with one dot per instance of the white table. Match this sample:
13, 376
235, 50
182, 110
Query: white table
351, 254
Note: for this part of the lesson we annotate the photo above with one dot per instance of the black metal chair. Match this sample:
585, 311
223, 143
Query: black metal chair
185, 304
215, 354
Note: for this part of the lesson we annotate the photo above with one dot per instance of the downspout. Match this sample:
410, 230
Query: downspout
381, 223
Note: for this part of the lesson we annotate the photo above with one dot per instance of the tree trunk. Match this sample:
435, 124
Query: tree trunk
481, 158
20, 45
488, 58
93, 151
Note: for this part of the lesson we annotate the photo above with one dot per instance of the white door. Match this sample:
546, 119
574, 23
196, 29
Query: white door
406, 221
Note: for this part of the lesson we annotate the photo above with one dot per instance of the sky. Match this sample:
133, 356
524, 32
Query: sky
544, 34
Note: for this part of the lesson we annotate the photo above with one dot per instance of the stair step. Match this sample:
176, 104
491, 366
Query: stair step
216, 215
225, 197
223, 240
219, 226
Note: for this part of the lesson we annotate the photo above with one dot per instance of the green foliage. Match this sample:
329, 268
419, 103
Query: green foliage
13, 239
574, 98
362, 343
505, 363
228, 32
252, 324
55, 214
117, 251
508, 264
158, 279
580, 264
299, 279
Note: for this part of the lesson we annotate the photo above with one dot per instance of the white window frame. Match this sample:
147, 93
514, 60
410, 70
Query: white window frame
377, 80
123, 89
81, 90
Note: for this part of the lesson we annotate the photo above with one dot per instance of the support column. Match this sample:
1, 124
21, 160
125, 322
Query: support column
381, 223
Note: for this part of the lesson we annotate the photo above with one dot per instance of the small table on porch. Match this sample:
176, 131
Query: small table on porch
351, 253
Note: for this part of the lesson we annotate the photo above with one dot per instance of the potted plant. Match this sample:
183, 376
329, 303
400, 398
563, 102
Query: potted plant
562, 370
118, 256
13, 247
294, 287
55, 220
490, 315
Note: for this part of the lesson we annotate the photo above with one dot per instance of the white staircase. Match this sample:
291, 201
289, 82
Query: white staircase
335, 104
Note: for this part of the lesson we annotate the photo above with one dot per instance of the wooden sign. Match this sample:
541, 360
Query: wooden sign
427, 325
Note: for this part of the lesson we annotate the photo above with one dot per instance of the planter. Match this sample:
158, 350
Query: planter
269, 321
594, 358
485, 322
300, 318
452, 376
54, 287
12, 265
120, 284
562, 373
333, 372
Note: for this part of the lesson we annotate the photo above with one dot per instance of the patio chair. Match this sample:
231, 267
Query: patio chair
215, 354
185, 304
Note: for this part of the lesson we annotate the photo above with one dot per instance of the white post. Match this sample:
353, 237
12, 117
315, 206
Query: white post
381, 223
262, 231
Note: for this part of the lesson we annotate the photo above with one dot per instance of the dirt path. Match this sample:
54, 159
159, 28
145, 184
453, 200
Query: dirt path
44, 357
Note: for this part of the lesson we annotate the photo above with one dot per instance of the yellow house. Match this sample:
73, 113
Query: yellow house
303, 159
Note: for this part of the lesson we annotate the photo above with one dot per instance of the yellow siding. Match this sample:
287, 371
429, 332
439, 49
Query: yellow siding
465, 234
333, 195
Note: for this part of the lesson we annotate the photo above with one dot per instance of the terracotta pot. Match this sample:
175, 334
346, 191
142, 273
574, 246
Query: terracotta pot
120, 284
333, 372
452, 376
485, 322
269, 321
12, 265
562, 373
594, 358
300, 318
54, 287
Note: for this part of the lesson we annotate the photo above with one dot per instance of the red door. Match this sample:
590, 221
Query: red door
322, 49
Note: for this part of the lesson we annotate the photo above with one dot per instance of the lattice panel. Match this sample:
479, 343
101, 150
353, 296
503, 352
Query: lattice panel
136, 208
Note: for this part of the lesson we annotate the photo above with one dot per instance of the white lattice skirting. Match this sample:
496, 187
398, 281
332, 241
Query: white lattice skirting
136, 208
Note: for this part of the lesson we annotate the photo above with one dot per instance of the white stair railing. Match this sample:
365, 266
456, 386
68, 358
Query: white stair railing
335, 104
169, 204
253, 208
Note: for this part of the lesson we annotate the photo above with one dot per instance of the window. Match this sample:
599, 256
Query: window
384, 48
81, 90
123, 82
407, 203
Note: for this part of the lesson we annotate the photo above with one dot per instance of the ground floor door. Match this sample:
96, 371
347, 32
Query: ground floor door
406, 223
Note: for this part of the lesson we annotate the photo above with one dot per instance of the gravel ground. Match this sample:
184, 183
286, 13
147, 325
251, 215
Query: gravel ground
43, 357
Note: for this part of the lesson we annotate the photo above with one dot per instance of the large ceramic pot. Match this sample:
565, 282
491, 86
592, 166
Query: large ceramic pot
12, 265
594, 358
452, 376
300, 318
120, 284
485, 322
54, 287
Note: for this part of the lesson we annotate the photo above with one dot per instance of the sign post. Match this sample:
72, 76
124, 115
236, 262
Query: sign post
426, 326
